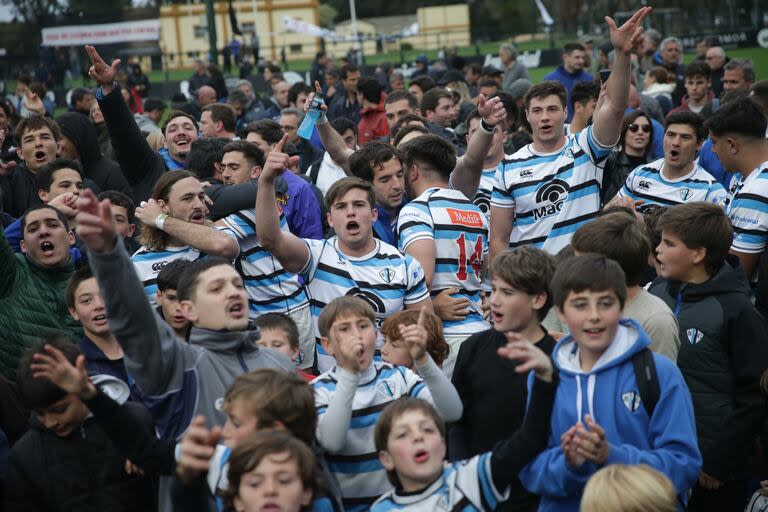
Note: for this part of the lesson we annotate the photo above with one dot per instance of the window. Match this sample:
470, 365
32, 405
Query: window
294, 48
201, 32
247, 27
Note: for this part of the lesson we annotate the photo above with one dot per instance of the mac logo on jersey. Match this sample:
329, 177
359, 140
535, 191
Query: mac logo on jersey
371, 298
685, 194
387, 275
551, 198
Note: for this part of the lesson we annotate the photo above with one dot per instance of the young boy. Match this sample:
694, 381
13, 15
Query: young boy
599, 416
272, 471
168, 306
621, 237
350, 395
263, 400
66, 461
488, 385
410, 439
723, 351
280, 333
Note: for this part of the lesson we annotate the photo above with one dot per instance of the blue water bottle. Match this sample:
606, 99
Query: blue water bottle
310, 118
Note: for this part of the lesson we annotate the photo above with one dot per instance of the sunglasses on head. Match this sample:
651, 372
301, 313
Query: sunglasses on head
634, 127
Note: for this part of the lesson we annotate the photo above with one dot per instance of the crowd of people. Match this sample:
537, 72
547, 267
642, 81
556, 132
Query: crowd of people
457, 290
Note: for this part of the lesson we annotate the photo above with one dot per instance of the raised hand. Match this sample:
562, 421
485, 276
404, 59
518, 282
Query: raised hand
148, 211
625, 38
415, 338
308, 103
100, 71
57, 369
66, 203
492, 111
528, 355
34, 103
197, 448
277, 161
95, 225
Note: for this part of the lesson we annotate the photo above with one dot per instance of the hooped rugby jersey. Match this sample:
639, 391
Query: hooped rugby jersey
270, 288
464, 486
149, 263
648, 183
459, 231
747, 207
357, 469
385, 278
551, 195
482, 197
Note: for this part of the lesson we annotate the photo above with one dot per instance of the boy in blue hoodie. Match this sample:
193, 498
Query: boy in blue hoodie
599, 417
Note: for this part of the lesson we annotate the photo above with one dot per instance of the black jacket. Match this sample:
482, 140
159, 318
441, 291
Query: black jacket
494, 397
105, 173
140, 164
723, 352
617, 167
80, 473
19, 190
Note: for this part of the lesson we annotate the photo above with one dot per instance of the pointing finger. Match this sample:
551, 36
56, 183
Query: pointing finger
422, 316
280, 144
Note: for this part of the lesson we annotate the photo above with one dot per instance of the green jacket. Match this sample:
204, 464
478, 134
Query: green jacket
31, 304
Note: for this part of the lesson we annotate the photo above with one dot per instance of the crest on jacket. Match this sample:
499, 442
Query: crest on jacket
631, 400
387, 275
694, 335
685, 194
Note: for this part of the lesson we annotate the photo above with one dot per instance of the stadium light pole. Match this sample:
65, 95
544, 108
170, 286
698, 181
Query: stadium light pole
211, 21
353, 16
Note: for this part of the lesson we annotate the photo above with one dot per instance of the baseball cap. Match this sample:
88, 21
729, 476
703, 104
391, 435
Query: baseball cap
491, 70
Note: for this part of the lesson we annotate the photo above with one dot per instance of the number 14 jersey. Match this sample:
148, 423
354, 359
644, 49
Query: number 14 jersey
459, 230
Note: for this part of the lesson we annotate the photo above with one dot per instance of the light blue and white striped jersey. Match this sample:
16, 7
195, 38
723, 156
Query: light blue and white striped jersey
551, 195
459, 231
356, 467
149, 263
464, 486
384, 278
648, 182
747, 207
482, 197
271, 288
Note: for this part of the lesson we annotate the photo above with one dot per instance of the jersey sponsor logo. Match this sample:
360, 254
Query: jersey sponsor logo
644, 184
526, 173
685, 194
157, 267
464, 218
387, 275
551, 198
371, 298
483, 202
694, 335
631, 400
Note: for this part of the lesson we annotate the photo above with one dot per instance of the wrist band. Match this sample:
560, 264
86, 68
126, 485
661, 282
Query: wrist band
487, 127
160, 221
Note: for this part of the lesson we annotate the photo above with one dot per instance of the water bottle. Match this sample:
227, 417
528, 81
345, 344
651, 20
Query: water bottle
310, 118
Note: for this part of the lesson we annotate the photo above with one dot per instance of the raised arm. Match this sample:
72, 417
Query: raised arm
154, 356
608, 118
206, 239
466, 176
290, 250
132, 151
332, 141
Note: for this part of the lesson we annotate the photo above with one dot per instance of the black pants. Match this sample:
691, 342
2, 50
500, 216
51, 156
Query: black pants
732, 496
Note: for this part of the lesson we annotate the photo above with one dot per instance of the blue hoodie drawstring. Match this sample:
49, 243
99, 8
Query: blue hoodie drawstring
679, 302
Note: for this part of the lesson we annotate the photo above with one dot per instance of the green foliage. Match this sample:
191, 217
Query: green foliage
327, 14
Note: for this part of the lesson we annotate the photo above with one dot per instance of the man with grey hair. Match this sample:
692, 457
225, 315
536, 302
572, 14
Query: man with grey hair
651, 40
252, 107
739, 74
513, 68
290, 120
206, 95
716, 60
671, 57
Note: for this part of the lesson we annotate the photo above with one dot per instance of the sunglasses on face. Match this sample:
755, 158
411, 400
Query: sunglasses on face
634, 127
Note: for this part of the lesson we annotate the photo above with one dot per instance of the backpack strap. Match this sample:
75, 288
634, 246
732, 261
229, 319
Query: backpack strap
647, 379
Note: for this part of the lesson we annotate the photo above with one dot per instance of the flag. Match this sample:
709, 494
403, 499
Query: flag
233, 20
545, 17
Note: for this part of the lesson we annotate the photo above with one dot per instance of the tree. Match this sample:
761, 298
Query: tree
327, 15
